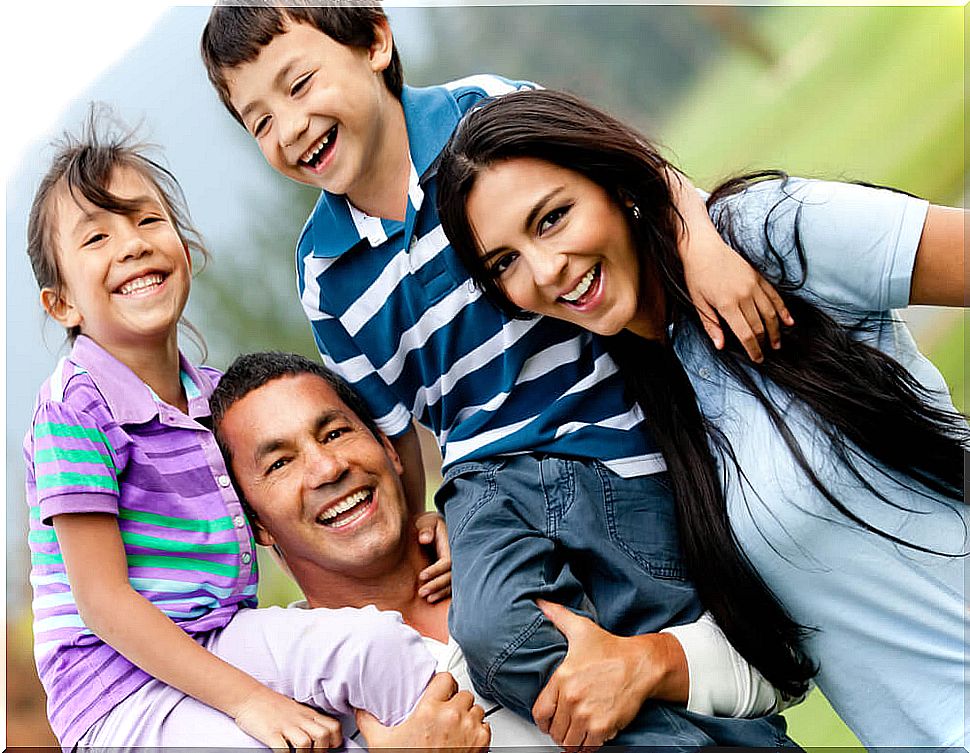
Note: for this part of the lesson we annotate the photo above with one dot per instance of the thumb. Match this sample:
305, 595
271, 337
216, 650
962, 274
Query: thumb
366, 722
567, 622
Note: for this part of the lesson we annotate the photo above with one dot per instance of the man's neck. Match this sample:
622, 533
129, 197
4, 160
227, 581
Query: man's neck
395, 589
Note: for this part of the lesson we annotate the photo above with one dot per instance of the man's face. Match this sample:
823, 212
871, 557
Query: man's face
317, 108
325, 490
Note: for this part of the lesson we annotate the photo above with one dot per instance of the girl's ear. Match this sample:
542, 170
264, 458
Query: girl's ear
60, 309
382, 48
188, 255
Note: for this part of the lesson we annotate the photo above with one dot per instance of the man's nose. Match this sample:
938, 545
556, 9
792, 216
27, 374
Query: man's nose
325, 466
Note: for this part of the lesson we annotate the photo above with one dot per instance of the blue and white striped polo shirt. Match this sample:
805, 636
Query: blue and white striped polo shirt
395, 313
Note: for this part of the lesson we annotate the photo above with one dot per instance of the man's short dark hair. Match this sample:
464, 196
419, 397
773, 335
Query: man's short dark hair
250, 372
236, 33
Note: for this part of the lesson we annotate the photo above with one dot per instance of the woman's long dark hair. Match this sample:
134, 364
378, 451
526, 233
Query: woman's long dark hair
869, 407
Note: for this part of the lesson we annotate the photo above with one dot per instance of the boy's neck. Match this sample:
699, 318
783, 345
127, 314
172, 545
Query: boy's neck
385, 191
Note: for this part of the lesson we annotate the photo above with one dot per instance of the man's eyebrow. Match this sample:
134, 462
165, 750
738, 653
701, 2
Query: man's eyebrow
530, 219
278, 81
323, 420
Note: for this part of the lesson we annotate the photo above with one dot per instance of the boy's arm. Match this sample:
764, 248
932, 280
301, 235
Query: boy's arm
97, 570
720, 282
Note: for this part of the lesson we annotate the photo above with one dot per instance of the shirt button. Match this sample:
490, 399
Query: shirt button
222, 480
238, 521
704, 372
246, 558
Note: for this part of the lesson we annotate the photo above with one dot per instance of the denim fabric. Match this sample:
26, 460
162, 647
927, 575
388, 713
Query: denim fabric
572, 532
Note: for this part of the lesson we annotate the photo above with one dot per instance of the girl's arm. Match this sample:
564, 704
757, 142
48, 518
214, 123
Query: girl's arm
720, 282
939, 275
97, 570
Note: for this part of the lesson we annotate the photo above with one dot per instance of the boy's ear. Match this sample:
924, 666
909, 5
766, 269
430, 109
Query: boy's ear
60, 309
382, 48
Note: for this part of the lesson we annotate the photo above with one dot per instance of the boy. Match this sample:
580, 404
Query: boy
393, 312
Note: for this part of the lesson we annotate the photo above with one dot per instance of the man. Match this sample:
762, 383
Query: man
323, 487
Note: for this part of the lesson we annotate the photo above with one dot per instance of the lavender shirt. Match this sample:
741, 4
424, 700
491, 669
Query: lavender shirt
102, 442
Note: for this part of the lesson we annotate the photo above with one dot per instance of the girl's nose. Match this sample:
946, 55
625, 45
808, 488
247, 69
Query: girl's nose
134, 247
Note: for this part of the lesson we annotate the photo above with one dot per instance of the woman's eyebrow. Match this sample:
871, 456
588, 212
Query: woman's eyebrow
537, 207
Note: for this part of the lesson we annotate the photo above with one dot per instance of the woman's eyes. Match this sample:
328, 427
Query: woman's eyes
498, 266
551, 219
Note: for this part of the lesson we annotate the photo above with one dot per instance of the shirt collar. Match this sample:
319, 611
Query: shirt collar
130, 400
430, 115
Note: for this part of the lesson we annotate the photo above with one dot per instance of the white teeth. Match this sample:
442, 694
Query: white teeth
343, 506
580, 290
140, 283
311, 155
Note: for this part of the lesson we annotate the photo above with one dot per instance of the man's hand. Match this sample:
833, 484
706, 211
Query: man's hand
436, 578
442, 719
604, 680
280, 722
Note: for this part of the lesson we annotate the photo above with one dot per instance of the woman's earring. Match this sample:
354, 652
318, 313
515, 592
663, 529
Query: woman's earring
635, 211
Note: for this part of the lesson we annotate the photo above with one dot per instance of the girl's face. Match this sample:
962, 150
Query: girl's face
125, 277
556, 243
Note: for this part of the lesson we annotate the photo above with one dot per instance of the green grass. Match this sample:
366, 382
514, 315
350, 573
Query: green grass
858, 93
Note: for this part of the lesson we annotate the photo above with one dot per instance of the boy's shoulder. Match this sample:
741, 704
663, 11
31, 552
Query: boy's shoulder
471, 89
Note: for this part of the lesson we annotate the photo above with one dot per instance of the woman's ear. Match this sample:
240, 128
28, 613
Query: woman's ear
60, 308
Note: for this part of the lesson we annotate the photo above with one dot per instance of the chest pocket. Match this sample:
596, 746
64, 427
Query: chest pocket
430, 266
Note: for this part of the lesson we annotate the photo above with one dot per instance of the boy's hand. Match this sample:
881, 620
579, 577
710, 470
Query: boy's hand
436, 578
443, 719
280, 722
721, 282
599, 687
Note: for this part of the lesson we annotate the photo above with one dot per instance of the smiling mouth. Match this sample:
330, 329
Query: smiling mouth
141, 285
347, 510
579, 295
314, 156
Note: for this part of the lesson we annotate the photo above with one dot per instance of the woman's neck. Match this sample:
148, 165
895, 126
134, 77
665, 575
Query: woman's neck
650, 320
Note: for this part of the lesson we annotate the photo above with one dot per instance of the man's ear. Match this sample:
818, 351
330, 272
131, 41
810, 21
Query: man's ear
392, 454
382, 48
60, 308
260, 534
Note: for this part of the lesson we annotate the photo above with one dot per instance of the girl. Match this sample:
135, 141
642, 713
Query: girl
143, 564
841, 455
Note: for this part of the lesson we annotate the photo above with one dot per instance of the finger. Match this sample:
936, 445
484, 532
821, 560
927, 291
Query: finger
575, 737
770, 318
463, 700
333, 736
366, 722
297, 739
544, 709
742, 330
567, 622
559, 726
435, 569
777, 302
437, 589
442, 687
710, 323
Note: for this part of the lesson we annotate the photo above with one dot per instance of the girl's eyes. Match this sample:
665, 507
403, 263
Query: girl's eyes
551, 219
96, 238
150, 219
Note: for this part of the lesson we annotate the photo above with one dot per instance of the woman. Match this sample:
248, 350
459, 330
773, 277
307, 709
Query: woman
841, 456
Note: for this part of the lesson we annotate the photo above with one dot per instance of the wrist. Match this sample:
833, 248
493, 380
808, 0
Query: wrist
666, 665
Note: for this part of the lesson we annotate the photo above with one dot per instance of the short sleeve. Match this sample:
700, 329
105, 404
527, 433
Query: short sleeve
74, 466
859, 242
341, 354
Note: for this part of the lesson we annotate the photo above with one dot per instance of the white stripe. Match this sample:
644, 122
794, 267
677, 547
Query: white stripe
491, 406
475, 359
43, 649
440, 315
394, 422
491, 85
379, 292
313, 267
367, 226
624, 421
602, 368
552, 358
640, 465
457, 450
58, 621
53, 600
57, 382
46, 580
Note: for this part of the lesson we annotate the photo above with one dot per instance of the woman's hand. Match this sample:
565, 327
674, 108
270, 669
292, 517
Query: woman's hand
604, 680
435, 579
280, 722
443, 719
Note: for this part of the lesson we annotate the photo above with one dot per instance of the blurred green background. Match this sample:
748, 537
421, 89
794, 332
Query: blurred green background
855, 93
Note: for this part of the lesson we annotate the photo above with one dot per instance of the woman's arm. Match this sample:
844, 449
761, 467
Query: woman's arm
939, 274
97, 569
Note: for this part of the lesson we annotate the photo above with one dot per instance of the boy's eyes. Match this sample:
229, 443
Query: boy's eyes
300, 83
259, 126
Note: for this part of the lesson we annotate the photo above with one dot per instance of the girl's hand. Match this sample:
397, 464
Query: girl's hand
603, 681
435, 579
443, 719
720, 282
280, 722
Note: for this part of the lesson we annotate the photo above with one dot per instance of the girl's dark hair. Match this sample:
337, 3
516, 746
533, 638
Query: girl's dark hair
83, 166
868, 407
236, 33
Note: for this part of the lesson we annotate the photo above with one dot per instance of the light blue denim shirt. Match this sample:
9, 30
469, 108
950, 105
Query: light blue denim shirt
891, 621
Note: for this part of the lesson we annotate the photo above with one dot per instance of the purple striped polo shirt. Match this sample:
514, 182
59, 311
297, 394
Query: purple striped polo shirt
101, 441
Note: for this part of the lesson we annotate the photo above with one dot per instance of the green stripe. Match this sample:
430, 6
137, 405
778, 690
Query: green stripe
70, 430
34, 512
182, 524
169, 545
69, 478
145, 560
182, 563
53, 454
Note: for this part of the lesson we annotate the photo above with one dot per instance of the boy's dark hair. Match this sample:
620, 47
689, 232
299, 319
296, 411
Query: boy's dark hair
236, 33
250, 372
83, 166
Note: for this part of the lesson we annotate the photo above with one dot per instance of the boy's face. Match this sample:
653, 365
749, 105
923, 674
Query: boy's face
317, 108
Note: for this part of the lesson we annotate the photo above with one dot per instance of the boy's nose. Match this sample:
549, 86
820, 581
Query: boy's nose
292, 128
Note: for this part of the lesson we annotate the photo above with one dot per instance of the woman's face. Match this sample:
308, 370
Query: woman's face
556, 243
